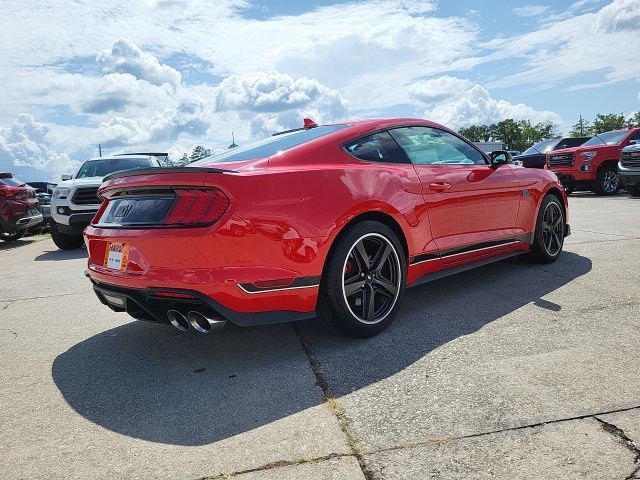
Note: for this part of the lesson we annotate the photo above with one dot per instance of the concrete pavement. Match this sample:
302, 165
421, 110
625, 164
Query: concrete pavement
509, 371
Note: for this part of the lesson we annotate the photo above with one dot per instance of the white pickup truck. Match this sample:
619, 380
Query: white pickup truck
75, 200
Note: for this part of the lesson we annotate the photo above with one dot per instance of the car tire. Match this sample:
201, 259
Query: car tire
607, 181
11, 237
633, 190
363, 281
64, 241
548, 238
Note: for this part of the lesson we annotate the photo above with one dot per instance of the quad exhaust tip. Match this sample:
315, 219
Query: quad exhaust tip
178, 320
204, 324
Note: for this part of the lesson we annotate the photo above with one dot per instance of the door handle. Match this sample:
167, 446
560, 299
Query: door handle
439, 186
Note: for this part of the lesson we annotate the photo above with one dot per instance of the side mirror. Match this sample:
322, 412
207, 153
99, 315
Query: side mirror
499, 157
67, 177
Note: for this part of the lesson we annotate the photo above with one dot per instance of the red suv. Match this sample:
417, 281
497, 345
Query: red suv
594, 164
19, 208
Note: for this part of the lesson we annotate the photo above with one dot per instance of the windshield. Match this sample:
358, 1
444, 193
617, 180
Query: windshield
608, 138
101, 168
541, 147
11, 182
271, 145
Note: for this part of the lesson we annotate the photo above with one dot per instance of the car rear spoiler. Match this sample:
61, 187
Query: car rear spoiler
161, 170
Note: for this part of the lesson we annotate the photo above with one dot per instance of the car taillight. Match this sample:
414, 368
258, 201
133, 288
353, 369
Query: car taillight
196, 207
103, 207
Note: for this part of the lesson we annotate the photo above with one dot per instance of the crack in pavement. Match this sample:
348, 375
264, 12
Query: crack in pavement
437, 441
277, 464
625, 441
618, 433
14, 300
332, 404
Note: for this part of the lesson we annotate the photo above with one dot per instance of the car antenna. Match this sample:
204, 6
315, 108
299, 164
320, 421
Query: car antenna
99, 150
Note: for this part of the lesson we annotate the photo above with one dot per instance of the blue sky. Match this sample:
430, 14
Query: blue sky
171, 74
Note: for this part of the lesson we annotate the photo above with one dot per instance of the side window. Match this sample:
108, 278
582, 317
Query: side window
379, 147
636, 136
430, 146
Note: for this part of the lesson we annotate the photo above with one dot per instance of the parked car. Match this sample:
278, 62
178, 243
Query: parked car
629, 168
43, 192
332, 220
19, 208
594, 164
75, 200
535, 156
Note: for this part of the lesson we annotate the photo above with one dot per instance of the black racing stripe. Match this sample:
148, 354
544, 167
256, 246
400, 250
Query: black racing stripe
423, 257
298, 282
476, 246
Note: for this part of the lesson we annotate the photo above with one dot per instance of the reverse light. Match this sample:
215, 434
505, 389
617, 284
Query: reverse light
196, 207
588, 156
61, 192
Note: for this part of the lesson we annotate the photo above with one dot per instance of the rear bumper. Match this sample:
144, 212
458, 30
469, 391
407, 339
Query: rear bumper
20, 222
152, 304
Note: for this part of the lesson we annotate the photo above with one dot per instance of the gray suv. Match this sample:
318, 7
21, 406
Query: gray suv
629, 169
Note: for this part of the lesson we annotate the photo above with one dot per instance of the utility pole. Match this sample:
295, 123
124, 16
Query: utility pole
99, 150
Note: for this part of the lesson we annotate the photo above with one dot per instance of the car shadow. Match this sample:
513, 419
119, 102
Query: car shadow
57, 255
151, 382
18, 243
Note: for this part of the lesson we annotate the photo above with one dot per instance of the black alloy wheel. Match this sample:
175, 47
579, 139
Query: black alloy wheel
371, 278
363, 280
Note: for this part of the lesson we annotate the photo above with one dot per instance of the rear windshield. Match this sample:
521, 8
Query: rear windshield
101, 168
609, 138
271, 145
11, 182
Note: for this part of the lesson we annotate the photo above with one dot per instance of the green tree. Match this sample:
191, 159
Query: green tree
473, 133
634, 120
608, 121
580, 129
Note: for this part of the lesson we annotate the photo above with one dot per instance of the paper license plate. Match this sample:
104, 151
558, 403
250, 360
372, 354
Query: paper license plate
117, 255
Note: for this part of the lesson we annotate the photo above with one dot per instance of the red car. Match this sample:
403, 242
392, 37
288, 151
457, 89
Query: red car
19, 208
332, 221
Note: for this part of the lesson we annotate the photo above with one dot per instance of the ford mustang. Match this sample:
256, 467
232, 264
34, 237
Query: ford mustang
331, 222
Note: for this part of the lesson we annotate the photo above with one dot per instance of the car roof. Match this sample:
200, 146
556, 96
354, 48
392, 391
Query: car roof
119, 157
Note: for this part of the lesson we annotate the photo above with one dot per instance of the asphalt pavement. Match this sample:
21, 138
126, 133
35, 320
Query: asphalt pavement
510, 371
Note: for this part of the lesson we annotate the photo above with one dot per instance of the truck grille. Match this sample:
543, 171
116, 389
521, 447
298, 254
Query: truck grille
630, 159
560, 159
86, 196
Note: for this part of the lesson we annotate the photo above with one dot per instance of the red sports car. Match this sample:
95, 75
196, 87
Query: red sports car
329, 221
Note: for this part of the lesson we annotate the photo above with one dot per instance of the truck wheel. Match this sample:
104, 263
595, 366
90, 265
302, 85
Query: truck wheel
11, 237
548, 238
607, 181
64, 241
633, 190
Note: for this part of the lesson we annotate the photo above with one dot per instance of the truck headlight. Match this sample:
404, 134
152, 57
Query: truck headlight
61, 192
588, 156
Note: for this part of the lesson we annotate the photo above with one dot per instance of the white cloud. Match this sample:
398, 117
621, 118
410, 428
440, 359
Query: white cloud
531, 10
603, 43
457, 103
619, 15
273, 101
25, 146
126, 57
